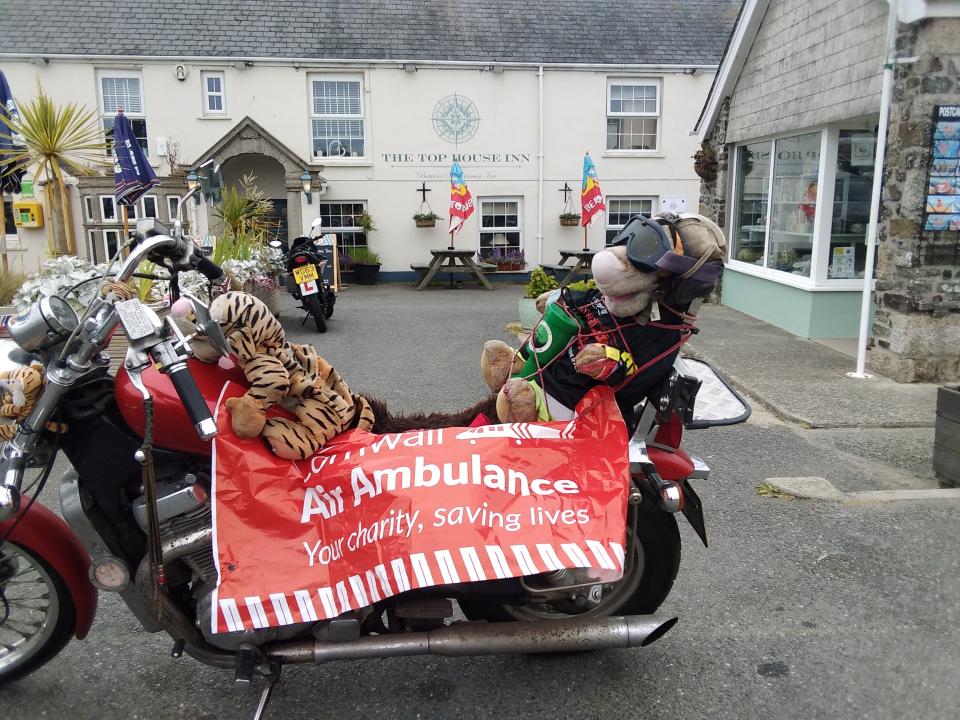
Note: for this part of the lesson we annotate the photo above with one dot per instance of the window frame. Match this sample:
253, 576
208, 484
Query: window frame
88, 215
610, 199
207, 94
171, 213
142, 202
819, 270
342, 230
103, 216
361, 115
481, 230
654, 82
141, 115
97, 240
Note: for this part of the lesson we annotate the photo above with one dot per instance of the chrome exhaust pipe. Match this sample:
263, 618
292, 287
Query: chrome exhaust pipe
477, 638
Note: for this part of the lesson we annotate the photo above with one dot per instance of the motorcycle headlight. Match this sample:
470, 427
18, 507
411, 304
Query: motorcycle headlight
48, 323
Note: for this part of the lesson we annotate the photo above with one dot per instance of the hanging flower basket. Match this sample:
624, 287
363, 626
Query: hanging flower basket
706, 163
569, 220
425, 220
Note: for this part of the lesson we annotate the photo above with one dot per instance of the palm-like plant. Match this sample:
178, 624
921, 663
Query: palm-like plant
51, 138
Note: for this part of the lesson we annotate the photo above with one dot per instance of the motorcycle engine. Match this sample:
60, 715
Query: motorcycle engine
186, 537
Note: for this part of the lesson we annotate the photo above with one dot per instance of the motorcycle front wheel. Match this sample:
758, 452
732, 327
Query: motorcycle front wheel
315, 307
37, 615
651, 570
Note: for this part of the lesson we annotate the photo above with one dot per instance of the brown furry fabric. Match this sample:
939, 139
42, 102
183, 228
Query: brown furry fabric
386, 422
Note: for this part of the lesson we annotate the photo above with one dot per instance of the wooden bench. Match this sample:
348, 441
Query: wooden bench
421, 269
558, 271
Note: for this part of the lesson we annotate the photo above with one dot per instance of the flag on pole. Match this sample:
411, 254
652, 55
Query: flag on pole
591, 199
461, 203
132, 174
12, 152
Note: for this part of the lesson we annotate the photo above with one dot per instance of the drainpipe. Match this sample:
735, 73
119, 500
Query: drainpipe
540, 166
867, 300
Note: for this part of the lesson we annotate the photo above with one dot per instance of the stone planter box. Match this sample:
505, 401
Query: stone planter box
946, 442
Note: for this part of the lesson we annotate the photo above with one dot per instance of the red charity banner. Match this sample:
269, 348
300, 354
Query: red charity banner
371, 516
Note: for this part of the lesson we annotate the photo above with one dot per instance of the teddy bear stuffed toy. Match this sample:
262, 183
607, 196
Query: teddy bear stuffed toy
280, 373
626, 333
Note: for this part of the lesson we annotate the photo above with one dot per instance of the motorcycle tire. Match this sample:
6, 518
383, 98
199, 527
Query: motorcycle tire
659, 539
315, 307
36, 581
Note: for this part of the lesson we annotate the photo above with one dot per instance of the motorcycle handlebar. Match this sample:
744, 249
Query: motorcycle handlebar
193, 401
207, 267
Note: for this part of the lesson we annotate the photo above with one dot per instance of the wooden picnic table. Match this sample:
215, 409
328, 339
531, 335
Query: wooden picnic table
452, 261
581, 266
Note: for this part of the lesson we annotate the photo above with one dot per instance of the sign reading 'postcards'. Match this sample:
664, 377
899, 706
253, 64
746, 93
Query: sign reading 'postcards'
942, 207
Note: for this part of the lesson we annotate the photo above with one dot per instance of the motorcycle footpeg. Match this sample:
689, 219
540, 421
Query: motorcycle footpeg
246, 662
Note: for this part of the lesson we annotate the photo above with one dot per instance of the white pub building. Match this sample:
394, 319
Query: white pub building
340, 114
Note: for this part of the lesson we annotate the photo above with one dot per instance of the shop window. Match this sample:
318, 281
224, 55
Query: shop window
777, 193
340, 218
499, 226
337, 117
633, 114
793, 208
620, 210
122, 91
213, 97
749, 233
851, 204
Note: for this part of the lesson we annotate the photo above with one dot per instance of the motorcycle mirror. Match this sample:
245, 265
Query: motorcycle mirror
317, 222
207, 326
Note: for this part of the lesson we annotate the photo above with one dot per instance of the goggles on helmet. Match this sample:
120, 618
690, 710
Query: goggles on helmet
646, 240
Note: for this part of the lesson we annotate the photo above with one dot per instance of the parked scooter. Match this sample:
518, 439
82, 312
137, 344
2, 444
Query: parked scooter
309, 264
137, 510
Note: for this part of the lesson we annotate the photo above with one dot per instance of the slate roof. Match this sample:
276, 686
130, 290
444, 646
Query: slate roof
665, 32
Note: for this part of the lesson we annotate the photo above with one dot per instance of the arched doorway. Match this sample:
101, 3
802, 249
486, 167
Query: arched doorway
269, 179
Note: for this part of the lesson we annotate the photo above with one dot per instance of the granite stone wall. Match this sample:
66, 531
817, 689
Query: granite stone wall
917, 324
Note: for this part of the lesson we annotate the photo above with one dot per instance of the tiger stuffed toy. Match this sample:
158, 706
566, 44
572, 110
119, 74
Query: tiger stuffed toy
19, 390
292, 375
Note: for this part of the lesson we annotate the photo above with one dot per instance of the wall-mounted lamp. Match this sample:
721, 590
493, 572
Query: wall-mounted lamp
496, 68
181, 72
409, 67
690, 71
307, 179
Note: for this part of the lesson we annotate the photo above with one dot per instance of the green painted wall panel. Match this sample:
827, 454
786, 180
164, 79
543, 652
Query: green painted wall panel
803, 313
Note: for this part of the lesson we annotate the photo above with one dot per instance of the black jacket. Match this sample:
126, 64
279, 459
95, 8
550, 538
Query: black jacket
644, 341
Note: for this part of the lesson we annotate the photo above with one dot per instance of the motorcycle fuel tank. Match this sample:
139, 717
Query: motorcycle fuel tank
172, 428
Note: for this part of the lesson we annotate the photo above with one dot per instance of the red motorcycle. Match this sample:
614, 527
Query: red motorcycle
137, 508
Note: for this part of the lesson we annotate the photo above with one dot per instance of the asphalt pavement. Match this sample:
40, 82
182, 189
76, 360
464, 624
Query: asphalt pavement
798, 609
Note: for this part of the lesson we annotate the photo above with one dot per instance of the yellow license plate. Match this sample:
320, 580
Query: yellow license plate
305, 273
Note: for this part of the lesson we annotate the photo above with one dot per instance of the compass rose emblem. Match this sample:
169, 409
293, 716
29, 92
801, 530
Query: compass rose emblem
455, 118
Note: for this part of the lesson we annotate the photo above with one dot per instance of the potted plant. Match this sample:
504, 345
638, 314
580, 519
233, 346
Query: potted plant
10, 283
365, 221
425, 219
512, 260
569, 219
366, 265
539, 283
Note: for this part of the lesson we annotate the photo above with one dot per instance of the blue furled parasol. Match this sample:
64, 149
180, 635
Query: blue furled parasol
132, 173
11, 172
